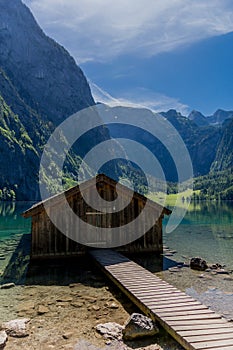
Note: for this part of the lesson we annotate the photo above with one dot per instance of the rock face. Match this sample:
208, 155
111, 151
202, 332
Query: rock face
224, 155
198, 264
139, 326
40, 86
46, 76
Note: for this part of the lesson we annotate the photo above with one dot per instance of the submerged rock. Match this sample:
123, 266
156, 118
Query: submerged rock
198, 264
139, 326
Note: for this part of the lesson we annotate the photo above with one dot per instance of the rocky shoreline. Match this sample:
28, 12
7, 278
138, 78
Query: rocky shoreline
63, 309
63, 316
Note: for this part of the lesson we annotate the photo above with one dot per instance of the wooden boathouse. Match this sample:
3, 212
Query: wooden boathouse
48, 241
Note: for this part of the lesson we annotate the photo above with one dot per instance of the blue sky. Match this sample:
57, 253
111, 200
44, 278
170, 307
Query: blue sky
160, 54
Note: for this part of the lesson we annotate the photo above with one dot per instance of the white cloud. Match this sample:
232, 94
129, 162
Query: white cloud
140, 98
103, 29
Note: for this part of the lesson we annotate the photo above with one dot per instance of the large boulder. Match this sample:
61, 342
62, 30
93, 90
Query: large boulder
139, 326
198, 264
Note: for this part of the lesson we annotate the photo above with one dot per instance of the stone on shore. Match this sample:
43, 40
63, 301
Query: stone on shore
139, 326
42, 310
198, 264
110, 330
3, 339
7, 286
222, 272
16, 328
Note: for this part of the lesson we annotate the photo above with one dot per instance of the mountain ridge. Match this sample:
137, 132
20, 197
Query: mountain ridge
41, 85
216, 119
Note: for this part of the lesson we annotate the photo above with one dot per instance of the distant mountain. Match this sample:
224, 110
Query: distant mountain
202, 142
224, 155
198, 118
40, 86
222, 145
216, 119
219, 117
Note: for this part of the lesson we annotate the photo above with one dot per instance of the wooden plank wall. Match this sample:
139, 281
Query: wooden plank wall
48, 241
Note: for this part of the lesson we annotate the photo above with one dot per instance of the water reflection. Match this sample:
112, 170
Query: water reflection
206, 231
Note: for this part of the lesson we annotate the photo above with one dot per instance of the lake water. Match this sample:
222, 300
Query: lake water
206, 231
12, 228
11, 221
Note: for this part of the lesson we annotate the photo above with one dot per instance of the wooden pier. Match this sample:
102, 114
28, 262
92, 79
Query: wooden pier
191, 323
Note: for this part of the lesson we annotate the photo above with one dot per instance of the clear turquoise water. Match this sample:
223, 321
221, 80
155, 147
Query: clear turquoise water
11, 221
206, 231
13, 227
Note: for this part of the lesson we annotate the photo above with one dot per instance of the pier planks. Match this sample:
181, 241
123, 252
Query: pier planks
191, 323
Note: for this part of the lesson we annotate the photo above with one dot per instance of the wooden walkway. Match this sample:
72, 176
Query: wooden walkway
191, 323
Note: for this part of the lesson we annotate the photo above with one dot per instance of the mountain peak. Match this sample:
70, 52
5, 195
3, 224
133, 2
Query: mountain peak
172, 113
220, 116
198, 118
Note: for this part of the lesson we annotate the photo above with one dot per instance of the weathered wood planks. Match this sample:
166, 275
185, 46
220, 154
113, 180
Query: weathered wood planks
191, 323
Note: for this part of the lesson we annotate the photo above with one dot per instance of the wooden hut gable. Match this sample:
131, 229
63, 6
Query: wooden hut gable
47, 240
